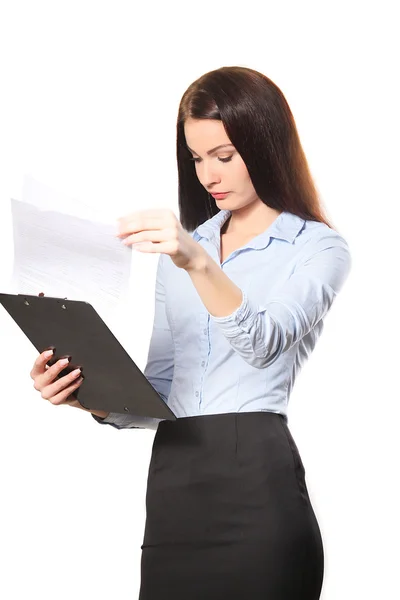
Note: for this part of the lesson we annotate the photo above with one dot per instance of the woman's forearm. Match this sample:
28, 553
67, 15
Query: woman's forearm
219, 294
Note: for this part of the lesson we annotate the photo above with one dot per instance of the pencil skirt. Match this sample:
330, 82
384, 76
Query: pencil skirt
228, 514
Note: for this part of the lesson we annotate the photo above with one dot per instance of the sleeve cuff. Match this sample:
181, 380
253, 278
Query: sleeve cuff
242, 319
128, 421
114, 419
107, 420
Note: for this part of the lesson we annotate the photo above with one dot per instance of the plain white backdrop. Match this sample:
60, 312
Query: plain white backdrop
89, 98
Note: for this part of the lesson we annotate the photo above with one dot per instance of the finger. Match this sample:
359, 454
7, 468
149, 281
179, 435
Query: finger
46, 377
63, 396
170, 248
52, 389
141, 215
130, 223
144, 221
162, 235
39, 366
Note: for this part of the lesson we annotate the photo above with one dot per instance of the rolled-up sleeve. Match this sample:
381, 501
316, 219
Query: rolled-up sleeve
159, 368
260, 333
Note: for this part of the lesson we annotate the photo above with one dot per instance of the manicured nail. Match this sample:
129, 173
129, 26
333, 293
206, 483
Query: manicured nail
66, 356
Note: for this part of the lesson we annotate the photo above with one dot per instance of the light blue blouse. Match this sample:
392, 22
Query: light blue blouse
246, 361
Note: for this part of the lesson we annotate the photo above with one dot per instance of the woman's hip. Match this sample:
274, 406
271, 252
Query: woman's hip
225, 478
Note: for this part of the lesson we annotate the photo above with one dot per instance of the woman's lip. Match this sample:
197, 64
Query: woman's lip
220, 195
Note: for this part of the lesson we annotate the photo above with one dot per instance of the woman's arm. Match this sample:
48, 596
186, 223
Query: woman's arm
261, 332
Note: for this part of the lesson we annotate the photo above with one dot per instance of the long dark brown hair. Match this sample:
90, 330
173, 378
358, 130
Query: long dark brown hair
260, 124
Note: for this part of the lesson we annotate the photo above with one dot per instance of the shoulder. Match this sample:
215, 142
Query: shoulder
317, 237
323, 252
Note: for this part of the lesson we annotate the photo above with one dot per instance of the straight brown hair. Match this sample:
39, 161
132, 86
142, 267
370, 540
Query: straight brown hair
260, 124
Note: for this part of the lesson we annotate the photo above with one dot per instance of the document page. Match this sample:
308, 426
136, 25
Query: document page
66, 249
68, 257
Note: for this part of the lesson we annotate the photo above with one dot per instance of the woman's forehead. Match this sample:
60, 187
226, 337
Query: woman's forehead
202, 132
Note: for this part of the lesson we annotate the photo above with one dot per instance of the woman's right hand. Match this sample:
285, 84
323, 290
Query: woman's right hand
58, 391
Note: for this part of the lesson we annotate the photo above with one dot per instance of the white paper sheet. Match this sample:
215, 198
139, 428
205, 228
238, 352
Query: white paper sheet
66, 256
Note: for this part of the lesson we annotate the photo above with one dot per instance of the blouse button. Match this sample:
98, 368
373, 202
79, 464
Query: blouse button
203, 363
197, 393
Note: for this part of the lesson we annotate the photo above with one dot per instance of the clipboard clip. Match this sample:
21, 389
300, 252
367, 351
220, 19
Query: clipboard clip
41, 294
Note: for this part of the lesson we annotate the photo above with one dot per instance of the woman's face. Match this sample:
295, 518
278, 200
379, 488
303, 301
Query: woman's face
224, 169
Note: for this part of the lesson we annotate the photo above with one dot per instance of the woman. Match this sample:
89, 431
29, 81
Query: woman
244, 280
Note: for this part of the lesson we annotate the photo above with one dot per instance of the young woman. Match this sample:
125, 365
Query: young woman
244, 280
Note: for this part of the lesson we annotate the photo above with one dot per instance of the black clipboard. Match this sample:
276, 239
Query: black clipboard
113, 382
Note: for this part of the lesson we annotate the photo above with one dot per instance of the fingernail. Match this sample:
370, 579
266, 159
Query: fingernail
66, 356
48, 354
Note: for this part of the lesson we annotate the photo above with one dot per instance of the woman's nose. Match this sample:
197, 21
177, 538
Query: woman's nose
209, 175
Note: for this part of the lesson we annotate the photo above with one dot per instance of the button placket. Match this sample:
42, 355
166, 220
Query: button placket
203, 322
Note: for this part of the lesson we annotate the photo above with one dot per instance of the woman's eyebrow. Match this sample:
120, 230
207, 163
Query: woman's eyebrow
214, 149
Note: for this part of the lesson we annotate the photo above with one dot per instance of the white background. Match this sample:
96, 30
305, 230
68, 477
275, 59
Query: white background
89, 97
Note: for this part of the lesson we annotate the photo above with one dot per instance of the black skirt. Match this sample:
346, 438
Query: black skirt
228, 513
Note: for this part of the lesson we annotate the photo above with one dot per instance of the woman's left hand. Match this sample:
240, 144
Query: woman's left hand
158, 230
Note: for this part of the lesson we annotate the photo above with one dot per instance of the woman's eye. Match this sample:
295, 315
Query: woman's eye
225, 160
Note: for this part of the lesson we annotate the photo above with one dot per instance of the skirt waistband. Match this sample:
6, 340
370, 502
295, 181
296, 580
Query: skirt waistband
216, 419
220, 434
